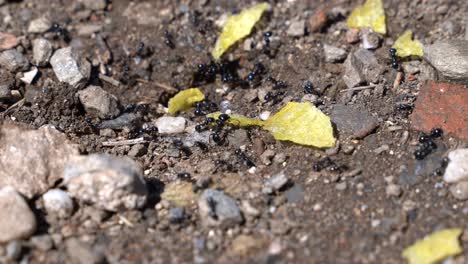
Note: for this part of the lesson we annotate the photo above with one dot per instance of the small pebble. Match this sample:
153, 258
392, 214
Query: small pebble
393, 190
170, 125
58, 202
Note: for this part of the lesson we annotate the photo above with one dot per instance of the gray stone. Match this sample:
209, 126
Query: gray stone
334, 54
460, 190
238, 137
17, 221
352, 121
95, 4
42, 50
88, 29
5, 92
457, 169
98, 102
81, 253
58, 202
450, 58
393, 190
296, 28
128, 120
137, 150
177, 215
362, 66
31, 161
109, 182
411, 67
170, 125
39, 25
276, 182
42, 242
295, 194
13, 250
13, 61
70, 68
218, 209
370, 39
417, 170
267, 156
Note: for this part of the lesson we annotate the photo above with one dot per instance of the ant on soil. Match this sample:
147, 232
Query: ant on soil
184, 176
328, 164
205, 106
206, 73
178, 144
426, 144
244, 159
169, 40
393, 56
60, 32
212, 206
254, 76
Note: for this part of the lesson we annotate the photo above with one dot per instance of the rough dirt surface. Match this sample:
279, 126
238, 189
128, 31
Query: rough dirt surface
343, 214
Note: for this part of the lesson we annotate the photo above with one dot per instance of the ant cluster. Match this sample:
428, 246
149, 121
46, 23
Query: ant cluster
218, 136
169, 40
393, 56
327, 163
206, 73
205, 106
275, 96
426, 145
60, 32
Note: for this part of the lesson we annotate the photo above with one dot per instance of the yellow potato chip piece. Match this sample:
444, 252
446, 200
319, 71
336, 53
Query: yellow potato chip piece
406, 46
184, 100
301, 123
238, 27
371, 14
434, 248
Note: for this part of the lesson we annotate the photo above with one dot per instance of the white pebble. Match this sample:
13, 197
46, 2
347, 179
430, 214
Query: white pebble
170, 125
265, 115
457, 169
58, 202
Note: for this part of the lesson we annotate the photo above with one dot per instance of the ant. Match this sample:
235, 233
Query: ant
245, 160
178, 144
254, 75
60, 32
185, 176
203, 126
275, 97
221, 164
426, 144
327, 163
212, 206
169, 40
204, 106
393, 56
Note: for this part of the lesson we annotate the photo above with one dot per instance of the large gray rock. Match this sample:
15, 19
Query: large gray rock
32, 161
360, 67
450, 58
97, 101
70, 68
109, 182
13, 61
218, 209
42, 50
352, 121
17, 221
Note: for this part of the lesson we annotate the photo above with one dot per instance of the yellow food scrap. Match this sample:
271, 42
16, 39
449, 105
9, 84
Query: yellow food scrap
185, 100
238, 27
239, 120
371, 14
406, 46
434, 248
302, 123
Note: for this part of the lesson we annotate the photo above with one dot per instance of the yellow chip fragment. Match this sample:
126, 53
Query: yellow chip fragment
434, 248
185, 100
238, 27
371, 14
406, 46
301, 123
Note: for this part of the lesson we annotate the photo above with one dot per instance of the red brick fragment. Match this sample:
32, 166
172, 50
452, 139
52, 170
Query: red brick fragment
318, 21
442, 105
7, 41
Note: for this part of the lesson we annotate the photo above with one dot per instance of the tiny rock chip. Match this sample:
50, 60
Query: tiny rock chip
318, 21
370, 39
58, 202
39, 25
334, 54
353, 121
450, 58
13, 61
457, 169
277, 182
70, 68
170, 125
28, 77
7, 41
31, 161
218, 209
441, 105
110, 183
97, 101
296, 28
460, 190
17, 221
42, 50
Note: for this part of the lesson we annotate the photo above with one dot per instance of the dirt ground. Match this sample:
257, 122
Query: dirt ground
332, 216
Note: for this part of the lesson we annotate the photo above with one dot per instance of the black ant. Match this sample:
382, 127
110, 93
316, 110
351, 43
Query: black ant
274, 97
203, 126
60, 32
221, 164
169, 40
254, 75
185, 176
205, 106
212, 206
178, 144
393, 56
245, 160
426, 144
327, 163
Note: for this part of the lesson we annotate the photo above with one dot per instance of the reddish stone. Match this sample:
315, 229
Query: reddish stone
318, 21
7, 41
442, 105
